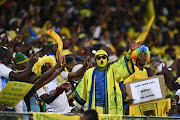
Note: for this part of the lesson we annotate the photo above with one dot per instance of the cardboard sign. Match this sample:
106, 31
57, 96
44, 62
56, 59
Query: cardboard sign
145, 90
14, 92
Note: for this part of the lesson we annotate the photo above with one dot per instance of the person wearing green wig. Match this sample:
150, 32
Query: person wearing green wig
100, 85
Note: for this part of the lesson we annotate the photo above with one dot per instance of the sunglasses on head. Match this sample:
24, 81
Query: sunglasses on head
99, 57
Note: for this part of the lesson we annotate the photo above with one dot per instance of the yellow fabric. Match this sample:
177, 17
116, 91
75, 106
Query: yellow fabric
132, 33
72, 96
85, 12
65, 31
163, 49
173, 32
144, 34
66, 52
112, 48
169, 61
137, 75
122, 44
59, 80
12, 34
22, 61
177, 50
163, 19
129, 53
169, 91
157, 108
178, 80
149, 12
93, 42
160, 51
115, 73
100, 110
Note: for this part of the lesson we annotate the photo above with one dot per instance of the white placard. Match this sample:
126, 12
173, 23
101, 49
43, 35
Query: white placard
146, 90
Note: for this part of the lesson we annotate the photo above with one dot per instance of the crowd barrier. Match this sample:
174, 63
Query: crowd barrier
54, 116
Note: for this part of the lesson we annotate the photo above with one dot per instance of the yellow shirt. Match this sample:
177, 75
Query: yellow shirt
177, 49
160, 51
137, 75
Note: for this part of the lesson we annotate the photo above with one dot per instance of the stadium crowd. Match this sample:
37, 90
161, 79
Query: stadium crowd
98, 38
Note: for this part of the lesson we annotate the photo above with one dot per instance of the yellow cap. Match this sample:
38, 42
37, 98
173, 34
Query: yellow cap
178, 80
101, 52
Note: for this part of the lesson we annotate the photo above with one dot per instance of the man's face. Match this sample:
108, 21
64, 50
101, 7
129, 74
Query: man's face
45, 67
101, 60
22, 66
142, 58
54, 48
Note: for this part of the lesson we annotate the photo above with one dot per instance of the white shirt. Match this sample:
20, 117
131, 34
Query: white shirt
60, 104
4, 78
4, 73
178, 93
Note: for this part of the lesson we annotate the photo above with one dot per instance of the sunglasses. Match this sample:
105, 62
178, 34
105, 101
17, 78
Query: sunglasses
99, 57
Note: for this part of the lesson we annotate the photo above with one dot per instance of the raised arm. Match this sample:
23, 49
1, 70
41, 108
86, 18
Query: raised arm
133, 46
53, 72
125, 67
42, 81
81, 70
21, 76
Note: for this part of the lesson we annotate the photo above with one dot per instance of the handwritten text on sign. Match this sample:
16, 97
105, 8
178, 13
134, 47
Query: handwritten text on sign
14, 92
146, 90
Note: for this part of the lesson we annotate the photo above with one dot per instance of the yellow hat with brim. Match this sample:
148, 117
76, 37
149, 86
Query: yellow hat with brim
100, 52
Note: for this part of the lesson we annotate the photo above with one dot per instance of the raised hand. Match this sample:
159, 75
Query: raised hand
88, 61
64, 61
60, 58
5, 37
134, 45
3, 106
79, 28
60, 89
164, 68
32, 60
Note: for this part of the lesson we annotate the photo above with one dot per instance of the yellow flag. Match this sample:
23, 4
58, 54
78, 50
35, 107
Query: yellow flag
149, 11
143, 35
